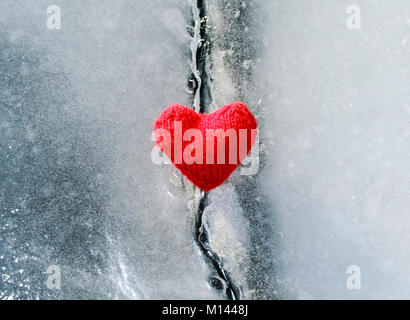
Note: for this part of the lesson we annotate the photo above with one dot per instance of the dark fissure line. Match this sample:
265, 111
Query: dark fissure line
202, 54
223, 280
202, 100
199, 83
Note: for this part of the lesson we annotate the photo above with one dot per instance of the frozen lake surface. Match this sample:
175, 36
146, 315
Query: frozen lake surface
79, 190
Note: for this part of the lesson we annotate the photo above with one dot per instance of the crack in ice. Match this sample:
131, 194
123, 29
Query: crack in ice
200, 47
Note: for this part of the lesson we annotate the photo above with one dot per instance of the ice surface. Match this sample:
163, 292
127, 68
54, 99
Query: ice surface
245, 211
333, 188
337, 104
78, 188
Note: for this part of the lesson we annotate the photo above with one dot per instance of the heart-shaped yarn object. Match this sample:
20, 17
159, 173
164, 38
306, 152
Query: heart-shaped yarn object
206, 148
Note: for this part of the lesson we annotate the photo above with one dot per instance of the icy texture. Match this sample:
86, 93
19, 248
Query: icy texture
338, 173
248, 241
333, 190
78, 188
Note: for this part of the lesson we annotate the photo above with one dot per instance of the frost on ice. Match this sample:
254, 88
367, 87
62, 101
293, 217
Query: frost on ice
78, 189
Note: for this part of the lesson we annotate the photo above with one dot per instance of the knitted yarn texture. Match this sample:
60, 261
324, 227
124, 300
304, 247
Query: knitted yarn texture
206, 148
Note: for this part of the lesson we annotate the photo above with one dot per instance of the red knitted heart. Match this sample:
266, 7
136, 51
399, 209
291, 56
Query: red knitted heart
202, 146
